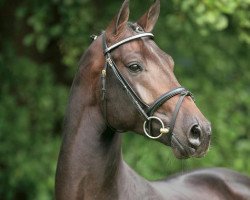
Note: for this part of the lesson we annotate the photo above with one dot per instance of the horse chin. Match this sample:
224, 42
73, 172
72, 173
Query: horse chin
178, 154
180, 150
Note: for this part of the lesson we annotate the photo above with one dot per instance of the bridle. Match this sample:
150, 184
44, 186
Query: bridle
145, 110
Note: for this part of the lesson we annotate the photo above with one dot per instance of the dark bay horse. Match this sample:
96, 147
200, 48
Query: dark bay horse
126, 83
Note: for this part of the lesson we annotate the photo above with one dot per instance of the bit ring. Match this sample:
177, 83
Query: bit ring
163, 129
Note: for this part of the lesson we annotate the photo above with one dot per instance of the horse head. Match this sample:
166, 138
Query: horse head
138, 90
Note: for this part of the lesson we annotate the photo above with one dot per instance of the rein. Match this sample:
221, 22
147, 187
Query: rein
145, 110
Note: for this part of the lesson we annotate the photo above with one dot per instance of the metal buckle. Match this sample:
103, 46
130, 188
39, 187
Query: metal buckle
109, 61
93, 37
104, 73
163, 129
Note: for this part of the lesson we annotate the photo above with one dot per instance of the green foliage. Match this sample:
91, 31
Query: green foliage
30, 104
41, 43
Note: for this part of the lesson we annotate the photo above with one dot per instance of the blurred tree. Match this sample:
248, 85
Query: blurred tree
40, 45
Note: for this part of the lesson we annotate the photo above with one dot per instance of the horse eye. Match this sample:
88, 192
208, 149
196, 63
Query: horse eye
135, 67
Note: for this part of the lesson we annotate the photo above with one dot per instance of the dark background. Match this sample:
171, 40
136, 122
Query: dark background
40, 45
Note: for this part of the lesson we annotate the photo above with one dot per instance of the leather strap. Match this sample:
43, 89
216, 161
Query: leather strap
176, 111
126, 40
162, 99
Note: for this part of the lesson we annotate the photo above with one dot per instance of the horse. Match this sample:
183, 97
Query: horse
125, 82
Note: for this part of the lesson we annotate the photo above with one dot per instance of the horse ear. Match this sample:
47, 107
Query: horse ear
149, 19
119, 22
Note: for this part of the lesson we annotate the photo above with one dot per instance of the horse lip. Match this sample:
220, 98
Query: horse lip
185, 151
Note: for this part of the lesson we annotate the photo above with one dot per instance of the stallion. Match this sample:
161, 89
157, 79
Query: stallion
125, 82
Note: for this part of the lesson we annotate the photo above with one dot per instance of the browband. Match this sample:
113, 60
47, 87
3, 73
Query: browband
112, 47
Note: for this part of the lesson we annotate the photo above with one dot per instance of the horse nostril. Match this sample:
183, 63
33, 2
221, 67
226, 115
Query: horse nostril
194, 136
196, 132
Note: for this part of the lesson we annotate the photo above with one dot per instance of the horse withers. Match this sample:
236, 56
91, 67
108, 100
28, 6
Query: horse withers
125, 82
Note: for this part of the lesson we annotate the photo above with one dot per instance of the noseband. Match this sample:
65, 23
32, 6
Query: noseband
145, 110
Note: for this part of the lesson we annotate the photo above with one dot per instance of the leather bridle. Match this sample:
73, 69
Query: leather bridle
145, 110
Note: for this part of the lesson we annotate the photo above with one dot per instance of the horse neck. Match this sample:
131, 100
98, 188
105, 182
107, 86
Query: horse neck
90, 152
90, 164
